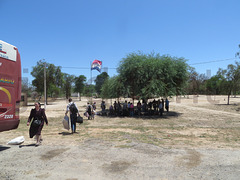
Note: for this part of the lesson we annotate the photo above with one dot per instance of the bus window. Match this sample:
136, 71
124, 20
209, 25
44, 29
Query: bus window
10, 86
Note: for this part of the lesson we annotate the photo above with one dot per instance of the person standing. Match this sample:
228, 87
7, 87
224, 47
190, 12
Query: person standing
72, 108
129, 104
94, 107
115, 107
111, 111
160, 108
38, 115
139, 105
131, 109
103, 107
119, 109
163, 105
125, 108
167, 104
89, 110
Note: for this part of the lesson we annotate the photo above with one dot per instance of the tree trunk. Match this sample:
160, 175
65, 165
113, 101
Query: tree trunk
235, 92
79, 96
229, 94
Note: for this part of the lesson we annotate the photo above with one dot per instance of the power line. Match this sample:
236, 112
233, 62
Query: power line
75, 67
82, 67
206, 62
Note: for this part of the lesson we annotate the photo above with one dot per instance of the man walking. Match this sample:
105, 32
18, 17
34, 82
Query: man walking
72, 107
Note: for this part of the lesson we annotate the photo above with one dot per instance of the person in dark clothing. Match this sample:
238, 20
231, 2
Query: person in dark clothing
160, 109
154, 104
115, 107
89, 110
163, 105
139, 106
125, 111
150, 108
119, 109
73, 115
167, 104
103, 107
37, 114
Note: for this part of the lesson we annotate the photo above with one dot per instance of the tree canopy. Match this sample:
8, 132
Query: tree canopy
100, 81
80, 84
53, 76
68, 84
152, 75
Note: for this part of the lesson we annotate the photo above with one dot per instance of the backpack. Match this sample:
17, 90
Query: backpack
73, 108
89, 108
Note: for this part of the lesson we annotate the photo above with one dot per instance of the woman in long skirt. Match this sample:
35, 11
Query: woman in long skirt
35, 129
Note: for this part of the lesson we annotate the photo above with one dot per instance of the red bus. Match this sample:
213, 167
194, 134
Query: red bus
10, 86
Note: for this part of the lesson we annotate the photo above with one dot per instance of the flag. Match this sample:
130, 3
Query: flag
96, 64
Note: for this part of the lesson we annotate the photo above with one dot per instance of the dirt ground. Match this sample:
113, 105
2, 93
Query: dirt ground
198, 139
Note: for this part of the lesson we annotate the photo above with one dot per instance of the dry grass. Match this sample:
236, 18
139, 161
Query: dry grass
187, 125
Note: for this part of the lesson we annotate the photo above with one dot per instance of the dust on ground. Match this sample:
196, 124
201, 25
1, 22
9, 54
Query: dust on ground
198, 139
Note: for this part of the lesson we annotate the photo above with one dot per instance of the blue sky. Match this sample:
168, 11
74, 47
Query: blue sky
75, 32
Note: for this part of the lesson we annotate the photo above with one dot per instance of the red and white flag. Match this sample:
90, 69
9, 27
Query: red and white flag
96, 64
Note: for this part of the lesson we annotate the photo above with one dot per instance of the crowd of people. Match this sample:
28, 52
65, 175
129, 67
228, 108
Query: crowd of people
155, 107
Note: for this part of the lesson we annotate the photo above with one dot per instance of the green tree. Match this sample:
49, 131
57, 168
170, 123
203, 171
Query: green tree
59, 77
105, 91
152, 79
230, 79
52, 74
38, 74
100, 81
112, 88
68, 84
131, 73
181, 76
79, 84
147, 76
89, 89
167, 76
25, 86
51, 80
213, 85
193, 84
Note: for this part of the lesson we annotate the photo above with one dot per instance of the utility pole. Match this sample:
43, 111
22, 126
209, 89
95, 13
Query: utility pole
45, 87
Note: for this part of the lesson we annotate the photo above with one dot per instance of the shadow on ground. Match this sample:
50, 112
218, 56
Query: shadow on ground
28, 145
2, 148
166, 115
65, 133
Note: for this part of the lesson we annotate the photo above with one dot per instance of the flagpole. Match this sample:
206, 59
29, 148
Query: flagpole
91, 81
